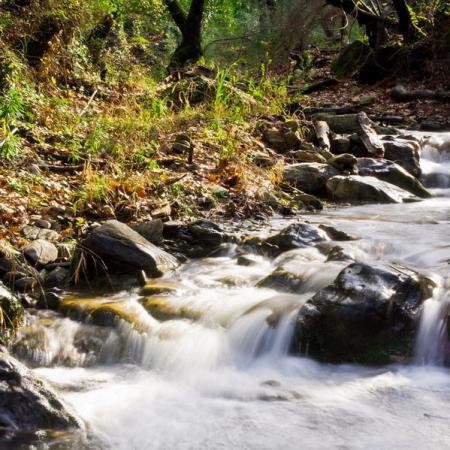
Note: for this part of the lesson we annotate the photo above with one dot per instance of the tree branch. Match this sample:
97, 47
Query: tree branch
196, 13
177, 13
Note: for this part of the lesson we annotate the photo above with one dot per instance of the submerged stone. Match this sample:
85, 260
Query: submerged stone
161, 309
104, 312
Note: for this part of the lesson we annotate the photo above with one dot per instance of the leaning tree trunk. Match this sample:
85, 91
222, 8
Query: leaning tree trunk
190, 48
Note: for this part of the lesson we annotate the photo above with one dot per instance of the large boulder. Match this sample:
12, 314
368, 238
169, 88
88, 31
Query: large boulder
392, 173
28, 404
405, 153
369, 314
309, 177
359, 189
123, 250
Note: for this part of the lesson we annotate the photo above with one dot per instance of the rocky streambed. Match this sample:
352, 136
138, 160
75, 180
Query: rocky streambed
328, 330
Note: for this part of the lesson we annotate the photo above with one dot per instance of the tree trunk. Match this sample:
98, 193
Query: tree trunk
190, 48
375, 25
404, 20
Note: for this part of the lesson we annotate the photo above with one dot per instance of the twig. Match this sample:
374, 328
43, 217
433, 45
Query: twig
88, 103
176, 180
12, 133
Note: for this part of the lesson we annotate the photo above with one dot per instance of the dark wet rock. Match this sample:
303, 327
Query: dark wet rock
345, 163
41, 223
296, 235
196, 239
25, 284
358, 189
309, 202
27, 403
50, 299
151, 230
57, 277
6, 265
405, 154
334, 252
309, 177
357, 147
40, 252
247, 260
369, 314
123, 250
335, 234
392, 173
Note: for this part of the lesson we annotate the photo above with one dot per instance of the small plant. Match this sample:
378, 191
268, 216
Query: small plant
12, 107
96, 189
9, 146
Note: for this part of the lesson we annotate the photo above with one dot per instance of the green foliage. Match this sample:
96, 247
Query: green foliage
12, 106
12, 109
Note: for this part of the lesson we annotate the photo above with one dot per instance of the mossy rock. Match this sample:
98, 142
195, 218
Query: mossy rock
161, 309
282, 280
157, 286
351, 59
104, 312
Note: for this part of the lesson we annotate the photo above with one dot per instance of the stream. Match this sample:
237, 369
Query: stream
221, 377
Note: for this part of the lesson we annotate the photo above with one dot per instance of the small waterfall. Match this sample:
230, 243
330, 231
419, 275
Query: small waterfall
435, 163
433, 346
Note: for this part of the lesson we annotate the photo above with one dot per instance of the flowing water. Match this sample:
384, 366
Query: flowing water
218, 375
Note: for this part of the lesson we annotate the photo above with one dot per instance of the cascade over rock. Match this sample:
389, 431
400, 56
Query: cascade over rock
369, 314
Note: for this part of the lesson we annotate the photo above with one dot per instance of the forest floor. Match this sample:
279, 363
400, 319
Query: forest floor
197, 165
